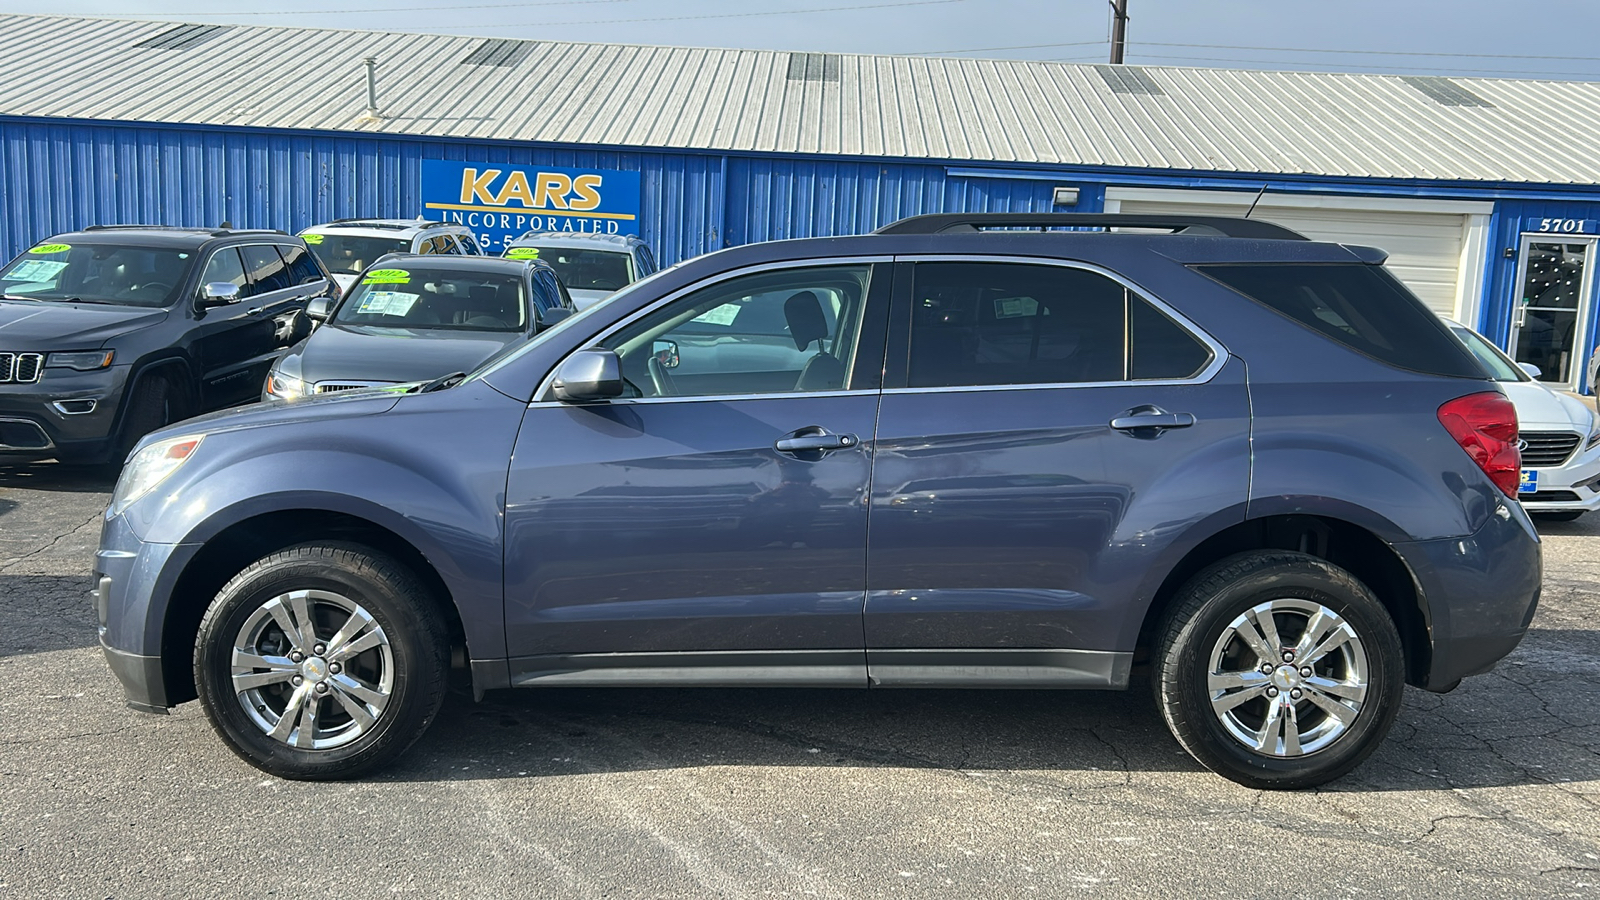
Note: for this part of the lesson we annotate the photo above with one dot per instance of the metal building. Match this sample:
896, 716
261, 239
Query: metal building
1486, 193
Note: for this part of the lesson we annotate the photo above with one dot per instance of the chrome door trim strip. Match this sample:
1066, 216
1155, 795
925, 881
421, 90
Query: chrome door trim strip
713, 668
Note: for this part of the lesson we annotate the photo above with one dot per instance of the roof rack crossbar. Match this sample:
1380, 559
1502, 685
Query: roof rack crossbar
969, 223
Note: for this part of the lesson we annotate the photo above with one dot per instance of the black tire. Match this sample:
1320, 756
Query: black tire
1561, 515
1192, 634
415, 658
149, 406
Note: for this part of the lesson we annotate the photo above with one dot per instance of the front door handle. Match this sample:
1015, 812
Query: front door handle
254, 310
1151, 417
814, 439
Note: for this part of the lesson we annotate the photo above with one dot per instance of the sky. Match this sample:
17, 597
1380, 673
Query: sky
1554, 39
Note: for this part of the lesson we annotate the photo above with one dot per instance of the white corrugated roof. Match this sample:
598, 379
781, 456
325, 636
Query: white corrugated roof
1011, 111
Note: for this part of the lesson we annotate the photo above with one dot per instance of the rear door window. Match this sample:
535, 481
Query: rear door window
265, 268
983, 323
302, 268
1360, 306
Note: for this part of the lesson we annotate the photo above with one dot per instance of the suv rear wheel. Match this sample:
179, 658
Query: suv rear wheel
1278, 670
321, 661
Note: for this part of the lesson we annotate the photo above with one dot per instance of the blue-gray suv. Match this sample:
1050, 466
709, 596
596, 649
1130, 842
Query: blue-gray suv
954, 453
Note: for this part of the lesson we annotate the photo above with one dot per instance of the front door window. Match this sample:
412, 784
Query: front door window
1552, 306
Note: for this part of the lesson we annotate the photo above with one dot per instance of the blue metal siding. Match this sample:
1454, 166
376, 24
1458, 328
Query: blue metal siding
57, 177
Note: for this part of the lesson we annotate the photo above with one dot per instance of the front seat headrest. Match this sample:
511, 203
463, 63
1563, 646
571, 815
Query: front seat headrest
806, 321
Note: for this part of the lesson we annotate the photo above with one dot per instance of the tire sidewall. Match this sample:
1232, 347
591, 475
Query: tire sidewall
404, 717
1189, 660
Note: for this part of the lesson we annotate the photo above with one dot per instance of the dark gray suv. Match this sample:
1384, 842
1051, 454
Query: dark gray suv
953, 453
113, 331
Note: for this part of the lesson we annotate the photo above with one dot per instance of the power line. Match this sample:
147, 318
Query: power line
586, 22
374, 9
989, 49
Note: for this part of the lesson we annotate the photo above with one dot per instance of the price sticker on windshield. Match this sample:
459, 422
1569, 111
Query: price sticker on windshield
387, 276
386, 303
51, 248
311, 238
523, 253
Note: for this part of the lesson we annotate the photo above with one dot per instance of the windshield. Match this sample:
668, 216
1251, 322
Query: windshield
418, 297
97, 273
346, 254
1497, 364
582, 270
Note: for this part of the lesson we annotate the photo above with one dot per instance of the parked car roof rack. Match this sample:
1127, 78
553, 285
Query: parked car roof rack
390, 224
968, 223
122, 227
224, 232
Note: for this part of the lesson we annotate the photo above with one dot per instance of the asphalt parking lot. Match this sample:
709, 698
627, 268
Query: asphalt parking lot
1489, 791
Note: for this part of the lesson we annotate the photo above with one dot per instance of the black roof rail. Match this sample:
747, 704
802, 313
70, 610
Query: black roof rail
124, 227
390, 225
225, 232
969, 223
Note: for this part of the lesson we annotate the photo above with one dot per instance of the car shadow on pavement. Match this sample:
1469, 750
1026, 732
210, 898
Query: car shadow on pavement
53, 476
45, 613
1515, 726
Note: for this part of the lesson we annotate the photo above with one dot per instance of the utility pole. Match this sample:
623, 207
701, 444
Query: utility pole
1119, 29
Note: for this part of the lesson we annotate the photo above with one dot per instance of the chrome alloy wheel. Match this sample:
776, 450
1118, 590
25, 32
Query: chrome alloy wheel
1287, 677
312, 669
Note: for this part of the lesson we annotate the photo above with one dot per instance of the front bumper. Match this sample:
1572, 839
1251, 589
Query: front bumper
64, 413
1480, 592
1573, 486
134, 580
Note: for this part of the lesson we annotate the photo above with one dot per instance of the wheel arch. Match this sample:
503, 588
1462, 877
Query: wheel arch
1346, 544
229, 548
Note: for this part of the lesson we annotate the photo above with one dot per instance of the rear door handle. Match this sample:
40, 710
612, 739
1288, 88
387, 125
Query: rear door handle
254, 310
1154, 419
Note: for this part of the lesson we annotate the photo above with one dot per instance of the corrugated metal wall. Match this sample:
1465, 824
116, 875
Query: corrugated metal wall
58, 176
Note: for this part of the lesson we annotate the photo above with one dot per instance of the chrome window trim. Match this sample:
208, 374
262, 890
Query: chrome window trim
820, 262
1219, 353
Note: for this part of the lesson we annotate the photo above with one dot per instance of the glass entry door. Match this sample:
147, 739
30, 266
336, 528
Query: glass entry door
1550, 321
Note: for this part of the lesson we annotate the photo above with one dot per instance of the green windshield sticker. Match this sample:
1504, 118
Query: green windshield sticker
523, 253
312, 238
387, 276
51, 248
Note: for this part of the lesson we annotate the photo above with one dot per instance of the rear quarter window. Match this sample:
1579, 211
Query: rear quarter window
1360, 306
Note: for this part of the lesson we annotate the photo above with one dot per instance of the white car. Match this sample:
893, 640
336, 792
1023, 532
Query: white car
347, 246
1560, 435
592, 266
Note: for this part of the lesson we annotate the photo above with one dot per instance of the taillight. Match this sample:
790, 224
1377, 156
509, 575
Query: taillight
1485, 425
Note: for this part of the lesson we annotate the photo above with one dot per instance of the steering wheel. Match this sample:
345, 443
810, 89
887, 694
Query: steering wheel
154, 285
661, 379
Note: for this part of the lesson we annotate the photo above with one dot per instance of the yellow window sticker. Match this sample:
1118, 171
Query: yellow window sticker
523, 253
51, 248
387, 276
311, 238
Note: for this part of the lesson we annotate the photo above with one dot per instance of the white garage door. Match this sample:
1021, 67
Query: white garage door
1424, 248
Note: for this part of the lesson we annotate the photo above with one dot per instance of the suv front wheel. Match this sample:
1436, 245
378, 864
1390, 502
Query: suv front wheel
321, 661
1278, 670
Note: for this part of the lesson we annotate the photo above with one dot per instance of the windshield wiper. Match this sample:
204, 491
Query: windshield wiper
439, 384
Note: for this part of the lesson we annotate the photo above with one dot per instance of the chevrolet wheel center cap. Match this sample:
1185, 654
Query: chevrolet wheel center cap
1283, 678
314, 669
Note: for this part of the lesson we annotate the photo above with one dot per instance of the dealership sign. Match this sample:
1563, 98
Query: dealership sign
499, 202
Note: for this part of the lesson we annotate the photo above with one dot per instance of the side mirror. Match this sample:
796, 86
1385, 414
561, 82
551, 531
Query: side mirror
553, 315
588, 375
665, 353
319, 308
218, 293
1532, 370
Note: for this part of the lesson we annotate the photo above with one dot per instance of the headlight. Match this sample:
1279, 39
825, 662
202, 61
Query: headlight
149, 467
285, 387
82, 360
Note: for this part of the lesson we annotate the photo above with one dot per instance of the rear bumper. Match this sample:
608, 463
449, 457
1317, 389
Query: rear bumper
1480, 593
